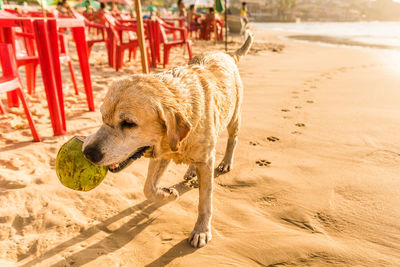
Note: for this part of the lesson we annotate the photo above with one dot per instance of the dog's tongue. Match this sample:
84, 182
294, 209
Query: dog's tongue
113, 166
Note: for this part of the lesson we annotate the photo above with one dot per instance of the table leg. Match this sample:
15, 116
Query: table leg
46, 66
82, 49
55, 57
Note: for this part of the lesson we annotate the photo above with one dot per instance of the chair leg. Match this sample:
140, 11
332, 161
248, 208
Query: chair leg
30, 71
134, 50
12, 99
119, 58
89, 49
166, 55
189, 48
35, 135
71, 70
2, 109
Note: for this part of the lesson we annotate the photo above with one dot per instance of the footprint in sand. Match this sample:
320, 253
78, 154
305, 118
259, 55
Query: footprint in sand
254, 143
310, 101
306, 90
285, 110
298, 107
295, 92
295, 96
295, 132
287, 117
300, 125
263, 163
272, 138
313, 86
102, 82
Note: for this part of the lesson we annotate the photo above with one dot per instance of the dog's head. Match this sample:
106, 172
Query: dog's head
139, 115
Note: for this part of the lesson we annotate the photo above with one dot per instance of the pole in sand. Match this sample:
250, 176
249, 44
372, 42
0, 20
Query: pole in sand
226, 25
140, 33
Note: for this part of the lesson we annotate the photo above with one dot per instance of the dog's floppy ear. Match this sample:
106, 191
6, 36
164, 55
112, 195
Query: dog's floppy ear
177, 127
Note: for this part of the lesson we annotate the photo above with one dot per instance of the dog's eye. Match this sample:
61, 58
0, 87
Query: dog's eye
128, 124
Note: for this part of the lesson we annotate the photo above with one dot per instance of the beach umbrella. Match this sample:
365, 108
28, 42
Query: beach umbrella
218, 6
46, 3
93, 3
124, 2
151, 8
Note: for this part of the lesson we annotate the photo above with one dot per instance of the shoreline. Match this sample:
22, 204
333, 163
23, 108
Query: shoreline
338, 41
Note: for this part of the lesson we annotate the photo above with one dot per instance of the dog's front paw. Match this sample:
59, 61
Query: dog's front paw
190, 173
199, 238
171, 194
162, 194
223, 168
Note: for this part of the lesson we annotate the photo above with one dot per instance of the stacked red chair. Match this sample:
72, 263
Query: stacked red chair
210, 26
162, 29
116, 44
10, 83
100, 30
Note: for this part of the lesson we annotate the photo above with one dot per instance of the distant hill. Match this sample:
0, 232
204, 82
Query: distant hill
322, 10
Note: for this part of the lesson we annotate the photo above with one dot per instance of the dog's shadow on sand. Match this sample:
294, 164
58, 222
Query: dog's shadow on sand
118, 238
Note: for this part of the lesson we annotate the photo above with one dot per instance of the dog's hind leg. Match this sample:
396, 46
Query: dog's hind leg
190, 173
227, 162
201, 233
151, 190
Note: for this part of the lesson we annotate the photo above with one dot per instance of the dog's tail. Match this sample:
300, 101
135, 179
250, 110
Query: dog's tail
245, 47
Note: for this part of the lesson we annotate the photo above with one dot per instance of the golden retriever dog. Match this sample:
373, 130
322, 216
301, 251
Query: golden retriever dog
174, 115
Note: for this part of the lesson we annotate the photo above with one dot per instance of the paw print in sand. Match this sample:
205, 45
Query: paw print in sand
300, 125
255, 143
263, 163
272, 138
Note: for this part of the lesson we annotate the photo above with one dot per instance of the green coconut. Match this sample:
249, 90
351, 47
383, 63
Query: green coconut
74, 170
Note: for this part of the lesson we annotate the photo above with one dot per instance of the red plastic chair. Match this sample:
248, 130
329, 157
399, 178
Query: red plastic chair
162, 27
29, 59
210, 26
65, 58
100, 29
116, 45
10, 82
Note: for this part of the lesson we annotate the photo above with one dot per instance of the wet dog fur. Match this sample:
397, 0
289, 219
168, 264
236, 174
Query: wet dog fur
175, 115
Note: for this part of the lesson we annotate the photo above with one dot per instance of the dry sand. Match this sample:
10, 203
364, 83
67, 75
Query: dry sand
315, 183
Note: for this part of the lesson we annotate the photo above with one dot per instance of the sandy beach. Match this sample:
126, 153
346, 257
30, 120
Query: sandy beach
315, 181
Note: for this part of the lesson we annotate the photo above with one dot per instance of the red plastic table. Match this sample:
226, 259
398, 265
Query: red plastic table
46, 31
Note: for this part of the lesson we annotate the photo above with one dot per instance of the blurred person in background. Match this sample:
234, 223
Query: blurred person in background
244, 19
181, 8
192, 16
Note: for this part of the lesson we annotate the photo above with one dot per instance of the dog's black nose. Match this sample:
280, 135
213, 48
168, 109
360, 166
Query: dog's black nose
92, 153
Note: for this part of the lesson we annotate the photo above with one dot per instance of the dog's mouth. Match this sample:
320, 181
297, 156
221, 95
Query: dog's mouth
122, 165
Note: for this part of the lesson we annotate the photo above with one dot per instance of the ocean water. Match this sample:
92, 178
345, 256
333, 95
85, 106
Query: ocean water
380, 33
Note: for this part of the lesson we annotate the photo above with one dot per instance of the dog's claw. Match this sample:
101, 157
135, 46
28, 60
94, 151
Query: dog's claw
199, 239
223, 168
190, 173
173, 193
